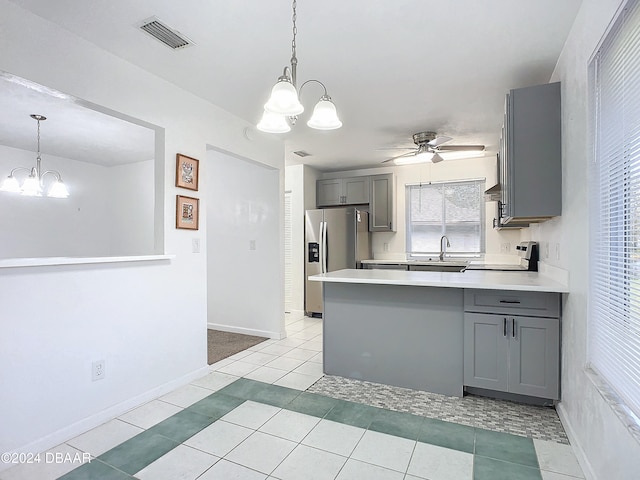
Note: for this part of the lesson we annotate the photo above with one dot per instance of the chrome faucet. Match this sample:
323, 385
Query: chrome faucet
443, 249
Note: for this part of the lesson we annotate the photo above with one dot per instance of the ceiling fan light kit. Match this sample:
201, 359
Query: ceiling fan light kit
430, 149
33, 185
284, 101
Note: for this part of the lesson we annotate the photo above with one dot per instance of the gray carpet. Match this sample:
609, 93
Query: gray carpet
224, 344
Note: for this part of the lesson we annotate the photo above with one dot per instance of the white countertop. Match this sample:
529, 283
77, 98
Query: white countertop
55, 261
480, 279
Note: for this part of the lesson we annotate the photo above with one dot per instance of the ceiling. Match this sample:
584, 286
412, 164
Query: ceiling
71, 129
393, 68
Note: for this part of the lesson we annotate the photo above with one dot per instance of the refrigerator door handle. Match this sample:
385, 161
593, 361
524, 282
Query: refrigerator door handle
321, 247
324, 247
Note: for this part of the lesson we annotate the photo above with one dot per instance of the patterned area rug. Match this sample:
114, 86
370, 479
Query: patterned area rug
224, 344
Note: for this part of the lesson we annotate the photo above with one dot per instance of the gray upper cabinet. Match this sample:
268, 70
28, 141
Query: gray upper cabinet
530, 155
342, 191
512, 342
381, 208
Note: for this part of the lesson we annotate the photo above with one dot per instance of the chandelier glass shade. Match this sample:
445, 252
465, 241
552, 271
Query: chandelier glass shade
285, 103
33, 185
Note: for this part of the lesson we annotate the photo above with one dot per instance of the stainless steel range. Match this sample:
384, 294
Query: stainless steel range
528, 253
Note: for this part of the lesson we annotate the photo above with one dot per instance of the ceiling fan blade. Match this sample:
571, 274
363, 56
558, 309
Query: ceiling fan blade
410, 154
439, 141
394, 148
460, 148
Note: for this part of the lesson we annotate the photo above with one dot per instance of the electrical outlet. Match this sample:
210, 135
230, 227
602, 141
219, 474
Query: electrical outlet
252, 244
385, 247
195, 245
97, 370
505, 248
557, 251
546, 250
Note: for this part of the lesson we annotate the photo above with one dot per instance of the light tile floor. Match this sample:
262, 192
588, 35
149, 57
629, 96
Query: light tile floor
267, 425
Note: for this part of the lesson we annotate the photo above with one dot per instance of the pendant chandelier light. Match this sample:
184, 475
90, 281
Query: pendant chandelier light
33, 185
283, 107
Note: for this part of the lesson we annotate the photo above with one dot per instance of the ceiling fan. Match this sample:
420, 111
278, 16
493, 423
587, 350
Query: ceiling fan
429, 146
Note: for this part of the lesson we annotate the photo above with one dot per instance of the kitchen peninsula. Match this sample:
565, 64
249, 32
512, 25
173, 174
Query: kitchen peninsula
442, 331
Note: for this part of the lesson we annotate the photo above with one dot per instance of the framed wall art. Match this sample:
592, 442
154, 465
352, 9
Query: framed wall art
187, 172
187, 212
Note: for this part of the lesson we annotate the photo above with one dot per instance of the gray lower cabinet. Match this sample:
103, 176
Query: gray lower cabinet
511, 350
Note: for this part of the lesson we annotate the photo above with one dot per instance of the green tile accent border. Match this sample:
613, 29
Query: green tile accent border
182, 426
447, 434
507, 447
354, 414
96, 469
400, 424
216, 405
260, 392
311, 404
490, 469
136, 453
497, 455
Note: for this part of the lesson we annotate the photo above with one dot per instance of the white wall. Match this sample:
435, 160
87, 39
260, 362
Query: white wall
42, 226
475, 168
147, 320
131, 205
300, 180
595, 430
109, 211
245, 276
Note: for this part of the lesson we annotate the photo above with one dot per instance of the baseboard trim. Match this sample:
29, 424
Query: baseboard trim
245, 331
575, 443
67, 433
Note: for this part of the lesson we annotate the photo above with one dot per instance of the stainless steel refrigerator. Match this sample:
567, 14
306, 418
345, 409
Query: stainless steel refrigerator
336, 238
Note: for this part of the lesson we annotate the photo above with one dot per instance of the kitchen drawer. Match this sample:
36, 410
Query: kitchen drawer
533, 304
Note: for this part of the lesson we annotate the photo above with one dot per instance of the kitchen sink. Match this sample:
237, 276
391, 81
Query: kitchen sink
437, 266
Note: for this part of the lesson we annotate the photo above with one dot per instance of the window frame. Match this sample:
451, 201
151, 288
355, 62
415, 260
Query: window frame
481, 183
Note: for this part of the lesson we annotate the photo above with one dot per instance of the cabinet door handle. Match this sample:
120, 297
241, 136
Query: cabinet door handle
513, 327
510, 301
504, 327
389, 225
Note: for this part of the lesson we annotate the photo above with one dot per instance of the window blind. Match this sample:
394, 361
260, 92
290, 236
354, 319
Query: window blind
454, 209
614, 196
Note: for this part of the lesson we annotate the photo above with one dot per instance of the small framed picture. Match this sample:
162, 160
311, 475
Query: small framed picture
187, 171
187, 212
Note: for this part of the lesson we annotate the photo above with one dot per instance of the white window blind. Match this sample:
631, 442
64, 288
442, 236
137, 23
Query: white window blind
454, 209
614, 195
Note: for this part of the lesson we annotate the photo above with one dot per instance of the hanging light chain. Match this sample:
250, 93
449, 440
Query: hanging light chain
295, 30
38, 157
294, 58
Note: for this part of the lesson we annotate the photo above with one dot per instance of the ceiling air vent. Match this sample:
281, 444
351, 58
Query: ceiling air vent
163, 33
302, 153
